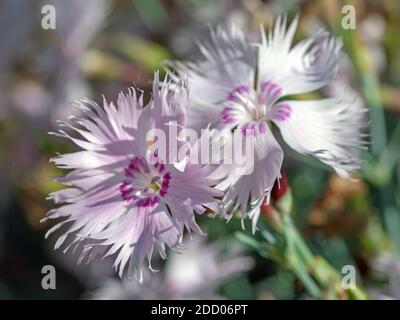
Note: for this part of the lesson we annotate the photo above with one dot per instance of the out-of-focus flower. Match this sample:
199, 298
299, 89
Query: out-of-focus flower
196, 274
387, 267
201, 268
246, 87
45, 64
119, 202
372, 31
77, 24
31, 98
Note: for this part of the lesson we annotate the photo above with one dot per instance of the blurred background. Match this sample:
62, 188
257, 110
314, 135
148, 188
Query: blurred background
102, 47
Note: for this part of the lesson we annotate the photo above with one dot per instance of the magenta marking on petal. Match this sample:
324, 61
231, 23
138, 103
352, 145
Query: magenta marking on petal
125, 190
154, 201
148, 183
146, 202
280, 118
232, 96
167, 176
227, 116
124, 185
269, 92
283, 112
284, 106
147, 190
261, 127
244, 129
265, 86
165, 184
252, 129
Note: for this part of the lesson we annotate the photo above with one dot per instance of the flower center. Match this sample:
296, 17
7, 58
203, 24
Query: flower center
248, 109
144, 183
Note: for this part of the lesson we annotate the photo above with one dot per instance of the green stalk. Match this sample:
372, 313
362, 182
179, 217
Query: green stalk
321, 280
326, 278
369, 80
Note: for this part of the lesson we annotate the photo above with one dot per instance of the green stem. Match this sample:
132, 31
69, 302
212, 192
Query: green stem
370, 85
327, 279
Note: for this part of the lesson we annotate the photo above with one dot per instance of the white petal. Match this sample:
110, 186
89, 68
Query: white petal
255, 186
228, 62
188, 191
308, 66
328, 129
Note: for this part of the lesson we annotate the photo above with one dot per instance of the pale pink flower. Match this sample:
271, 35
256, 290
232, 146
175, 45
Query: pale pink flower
117, 201
243, 86
197, 273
